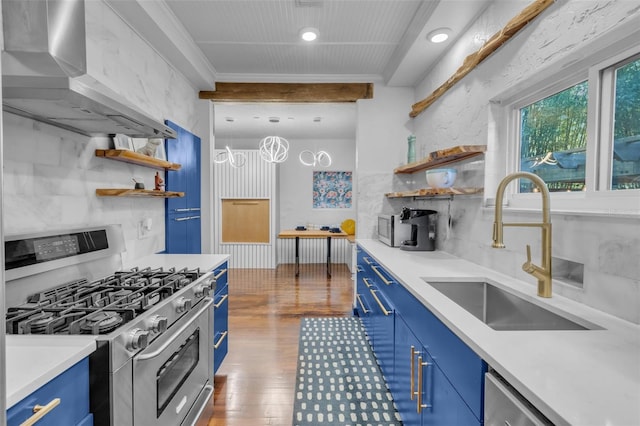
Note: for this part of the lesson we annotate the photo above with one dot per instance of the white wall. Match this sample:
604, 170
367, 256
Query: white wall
50, 174
566, 31
381, 144
296, 179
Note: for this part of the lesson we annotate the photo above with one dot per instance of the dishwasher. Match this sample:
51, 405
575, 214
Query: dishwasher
504, 406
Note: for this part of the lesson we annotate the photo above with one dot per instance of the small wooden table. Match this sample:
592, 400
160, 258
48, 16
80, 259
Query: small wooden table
312, 234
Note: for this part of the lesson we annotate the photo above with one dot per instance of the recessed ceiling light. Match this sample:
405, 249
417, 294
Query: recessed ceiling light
229, 119
439, 35
309, 34
274, 119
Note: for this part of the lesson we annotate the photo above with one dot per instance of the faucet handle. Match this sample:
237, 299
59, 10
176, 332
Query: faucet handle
528, 266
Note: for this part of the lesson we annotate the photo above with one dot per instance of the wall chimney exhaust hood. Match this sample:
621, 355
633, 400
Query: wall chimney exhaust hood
44, 73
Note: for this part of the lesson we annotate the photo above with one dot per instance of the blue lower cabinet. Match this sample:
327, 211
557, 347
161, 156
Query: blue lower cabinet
421, 391
71, 387
220, 316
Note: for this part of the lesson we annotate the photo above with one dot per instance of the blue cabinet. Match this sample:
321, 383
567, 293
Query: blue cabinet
71, 387
183, 214
455, 373
221, 316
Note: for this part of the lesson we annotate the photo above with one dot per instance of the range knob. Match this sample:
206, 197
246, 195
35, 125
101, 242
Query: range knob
137, 339
204, 288
157, 324
183, 304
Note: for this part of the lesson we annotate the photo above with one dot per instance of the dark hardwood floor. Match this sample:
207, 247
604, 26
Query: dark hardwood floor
255, 384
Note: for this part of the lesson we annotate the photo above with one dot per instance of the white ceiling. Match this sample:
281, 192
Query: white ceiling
258, 41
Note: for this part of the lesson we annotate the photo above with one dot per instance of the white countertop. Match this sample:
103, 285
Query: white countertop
586, 377
33, 360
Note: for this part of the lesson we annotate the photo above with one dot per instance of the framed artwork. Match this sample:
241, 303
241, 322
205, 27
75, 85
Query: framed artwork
332, 190
122, 142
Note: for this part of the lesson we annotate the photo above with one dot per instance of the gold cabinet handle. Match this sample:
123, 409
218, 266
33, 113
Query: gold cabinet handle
217, 305
221, 339
359, 269
366, 282
384, 310
40, 411
364, 310
420, 405
384, 280
413, 372
367, 260
221, 273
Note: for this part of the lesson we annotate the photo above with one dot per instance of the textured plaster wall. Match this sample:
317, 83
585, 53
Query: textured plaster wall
561, 36
50, 174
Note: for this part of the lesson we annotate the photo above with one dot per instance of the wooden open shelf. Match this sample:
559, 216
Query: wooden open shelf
142, 193
435, 192
443, 157
136, 158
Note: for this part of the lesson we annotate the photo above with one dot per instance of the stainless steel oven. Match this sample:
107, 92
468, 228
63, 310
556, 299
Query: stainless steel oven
153, 363
173, 373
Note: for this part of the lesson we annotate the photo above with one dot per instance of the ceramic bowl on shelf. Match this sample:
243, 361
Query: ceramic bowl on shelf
441, 178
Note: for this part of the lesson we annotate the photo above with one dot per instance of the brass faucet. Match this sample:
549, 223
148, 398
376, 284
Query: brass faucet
542, 273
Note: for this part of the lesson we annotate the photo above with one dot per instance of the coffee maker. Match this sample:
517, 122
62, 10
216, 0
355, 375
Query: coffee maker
423, 229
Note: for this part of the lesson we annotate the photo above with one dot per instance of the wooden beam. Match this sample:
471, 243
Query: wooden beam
498, 39
289, 92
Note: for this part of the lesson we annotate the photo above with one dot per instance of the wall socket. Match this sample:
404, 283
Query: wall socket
144, 228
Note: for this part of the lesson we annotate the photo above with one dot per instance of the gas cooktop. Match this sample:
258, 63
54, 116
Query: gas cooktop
97, 307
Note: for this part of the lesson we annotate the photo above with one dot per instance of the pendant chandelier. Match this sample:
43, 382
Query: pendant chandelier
274, 149
235, 159
312, 159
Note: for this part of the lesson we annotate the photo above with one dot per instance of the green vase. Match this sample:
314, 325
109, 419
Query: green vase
411, 151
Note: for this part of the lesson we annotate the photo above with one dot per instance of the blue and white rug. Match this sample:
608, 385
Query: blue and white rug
338, 380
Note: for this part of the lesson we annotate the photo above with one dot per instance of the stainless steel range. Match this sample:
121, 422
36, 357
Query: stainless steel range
153, 327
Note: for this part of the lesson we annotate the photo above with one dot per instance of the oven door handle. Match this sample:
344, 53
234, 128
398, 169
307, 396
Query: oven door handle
208, 302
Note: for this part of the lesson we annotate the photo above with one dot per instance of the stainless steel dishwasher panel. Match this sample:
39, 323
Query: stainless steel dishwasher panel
504, 406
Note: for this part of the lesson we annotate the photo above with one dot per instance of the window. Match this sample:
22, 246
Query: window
581, 135
553, 139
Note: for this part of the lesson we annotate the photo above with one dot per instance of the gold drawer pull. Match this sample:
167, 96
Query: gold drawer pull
364, 310
366, 260
413, 372
366, 282
221, 339
40, 411
221, 273
420, 405
384, 310
384, 280
217, 305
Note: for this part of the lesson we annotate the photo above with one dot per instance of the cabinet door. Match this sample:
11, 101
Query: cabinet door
221, 315
403, 382
183, 214
382, 318
72, 387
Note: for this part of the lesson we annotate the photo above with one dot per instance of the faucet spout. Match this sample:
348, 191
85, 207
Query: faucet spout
542, 272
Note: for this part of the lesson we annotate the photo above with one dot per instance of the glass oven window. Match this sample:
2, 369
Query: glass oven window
173, 373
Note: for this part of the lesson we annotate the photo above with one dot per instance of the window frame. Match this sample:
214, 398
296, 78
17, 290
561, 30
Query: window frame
598, 197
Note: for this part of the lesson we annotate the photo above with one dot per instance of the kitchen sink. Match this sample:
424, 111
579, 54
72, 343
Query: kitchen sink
503, 310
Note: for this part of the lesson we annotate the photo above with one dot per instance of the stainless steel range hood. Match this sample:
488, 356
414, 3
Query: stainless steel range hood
44, 73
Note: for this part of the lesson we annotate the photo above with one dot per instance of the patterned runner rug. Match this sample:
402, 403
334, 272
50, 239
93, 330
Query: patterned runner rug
338, 380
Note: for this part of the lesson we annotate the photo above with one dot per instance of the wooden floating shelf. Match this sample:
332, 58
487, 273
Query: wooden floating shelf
435, 192
136, 158
443, 157
142, 193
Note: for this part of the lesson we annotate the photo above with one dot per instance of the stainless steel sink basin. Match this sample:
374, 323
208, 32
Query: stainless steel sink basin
502, 310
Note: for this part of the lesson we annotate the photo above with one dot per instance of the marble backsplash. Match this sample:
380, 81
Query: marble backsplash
608, 251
